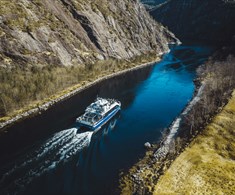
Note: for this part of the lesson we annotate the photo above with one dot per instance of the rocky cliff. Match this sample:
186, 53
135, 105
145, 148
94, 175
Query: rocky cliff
205, 20
71, 32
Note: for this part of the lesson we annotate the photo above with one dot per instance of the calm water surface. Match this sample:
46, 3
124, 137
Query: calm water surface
66, 162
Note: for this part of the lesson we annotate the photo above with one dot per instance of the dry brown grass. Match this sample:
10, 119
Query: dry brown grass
22, 88
207, 166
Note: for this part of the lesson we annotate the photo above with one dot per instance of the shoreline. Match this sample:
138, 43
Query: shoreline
214, 77
39, 109
204, 158
161, 154
165, 146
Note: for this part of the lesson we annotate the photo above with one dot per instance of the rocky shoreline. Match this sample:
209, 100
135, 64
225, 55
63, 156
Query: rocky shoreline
206, 164
214, 86
159, 157
166, 144
45, 106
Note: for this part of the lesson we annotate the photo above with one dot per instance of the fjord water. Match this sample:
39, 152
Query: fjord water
67, 162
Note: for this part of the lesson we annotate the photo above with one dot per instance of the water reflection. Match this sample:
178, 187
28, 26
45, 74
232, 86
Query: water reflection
76, 169
187, 58
114, 88
88, 163
63, 115
108, 127
51, 157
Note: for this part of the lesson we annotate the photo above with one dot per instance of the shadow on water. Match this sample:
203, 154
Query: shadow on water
24, 137
61, 116
75, 165
66, 162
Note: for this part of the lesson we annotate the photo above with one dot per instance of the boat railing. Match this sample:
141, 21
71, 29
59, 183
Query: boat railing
97, 110
91, 118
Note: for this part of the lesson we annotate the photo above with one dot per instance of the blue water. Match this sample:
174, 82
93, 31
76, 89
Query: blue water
86, 163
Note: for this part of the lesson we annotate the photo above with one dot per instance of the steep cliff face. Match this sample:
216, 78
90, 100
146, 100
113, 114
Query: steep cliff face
206, 20
71, 32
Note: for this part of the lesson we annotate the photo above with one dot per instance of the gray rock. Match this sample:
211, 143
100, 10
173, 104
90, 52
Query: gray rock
81, 34
1, 19
147, 145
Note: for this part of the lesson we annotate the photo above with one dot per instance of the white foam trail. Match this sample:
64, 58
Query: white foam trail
57, 140
55, 150
165, 147
113, 124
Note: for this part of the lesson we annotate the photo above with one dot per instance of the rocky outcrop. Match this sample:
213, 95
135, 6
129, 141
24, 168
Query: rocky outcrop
71, 32
204, 20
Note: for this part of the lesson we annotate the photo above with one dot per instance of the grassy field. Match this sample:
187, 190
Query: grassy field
23, 89
207, 166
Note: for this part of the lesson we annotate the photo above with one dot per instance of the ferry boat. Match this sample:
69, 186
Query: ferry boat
98, 113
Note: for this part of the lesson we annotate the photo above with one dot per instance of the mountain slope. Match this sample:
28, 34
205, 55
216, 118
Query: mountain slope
49, 46
211, 21
71, 32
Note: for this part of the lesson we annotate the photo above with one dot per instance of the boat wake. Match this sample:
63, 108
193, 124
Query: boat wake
57, 149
